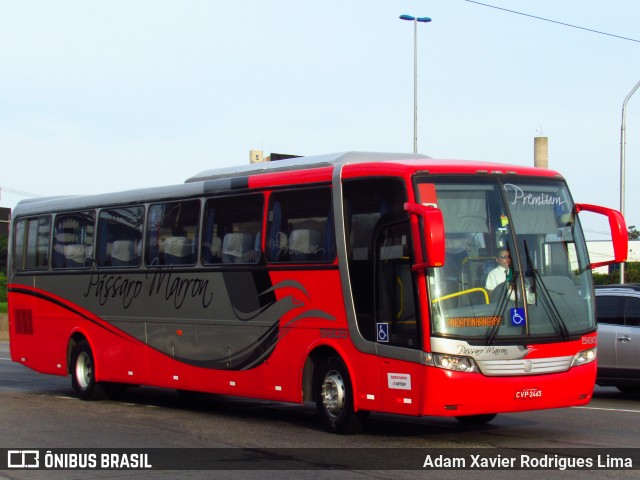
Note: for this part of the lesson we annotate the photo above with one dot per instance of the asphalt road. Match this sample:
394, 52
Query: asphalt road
41, 412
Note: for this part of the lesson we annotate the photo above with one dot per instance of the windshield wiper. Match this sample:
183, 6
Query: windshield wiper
503, 301
548, 304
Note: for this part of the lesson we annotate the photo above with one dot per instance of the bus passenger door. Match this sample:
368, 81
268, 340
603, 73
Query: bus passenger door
397, 328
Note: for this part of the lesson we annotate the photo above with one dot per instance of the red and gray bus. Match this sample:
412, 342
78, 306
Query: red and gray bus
356, 281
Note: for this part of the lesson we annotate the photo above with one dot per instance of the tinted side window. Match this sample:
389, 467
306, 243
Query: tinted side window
172, 233
395, 301
609, 308
232, 230
301, 226
38, 238
18, 244
31, 240
73, 240
632, 312
120, 237
366, 205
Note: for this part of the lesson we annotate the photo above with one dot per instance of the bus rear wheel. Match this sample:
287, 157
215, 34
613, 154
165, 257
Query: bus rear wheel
83, 378
334, 399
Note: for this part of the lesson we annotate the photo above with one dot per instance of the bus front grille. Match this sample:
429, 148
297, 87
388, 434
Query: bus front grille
534, 366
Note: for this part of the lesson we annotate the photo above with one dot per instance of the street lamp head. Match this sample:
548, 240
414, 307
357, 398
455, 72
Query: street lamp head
417, 19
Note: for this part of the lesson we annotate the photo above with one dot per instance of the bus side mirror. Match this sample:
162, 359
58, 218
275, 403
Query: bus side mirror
433, 238
619, 234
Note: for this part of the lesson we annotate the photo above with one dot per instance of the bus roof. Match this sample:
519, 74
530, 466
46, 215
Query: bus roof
222, 179
300, 163
407, 159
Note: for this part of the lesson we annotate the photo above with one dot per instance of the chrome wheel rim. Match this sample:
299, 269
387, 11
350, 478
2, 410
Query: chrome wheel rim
84, 370
333, 393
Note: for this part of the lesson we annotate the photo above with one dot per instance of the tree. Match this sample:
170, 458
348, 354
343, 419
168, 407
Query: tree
631, 275
3, 288
4, 243
633, 233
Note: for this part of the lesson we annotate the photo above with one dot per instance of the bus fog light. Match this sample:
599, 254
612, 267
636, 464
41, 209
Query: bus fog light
453, 362
584, 357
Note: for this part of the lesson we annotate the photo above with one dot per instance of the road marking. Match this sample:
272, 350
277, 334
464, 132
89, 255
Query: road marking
609, 409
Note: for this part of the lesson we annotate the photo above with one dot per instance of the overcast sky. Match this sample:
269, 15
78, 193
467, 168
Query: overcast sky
108, 96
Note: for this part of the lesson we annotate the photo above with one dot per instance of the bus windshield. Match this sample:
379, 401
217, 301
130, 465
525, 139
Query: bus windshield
516, 266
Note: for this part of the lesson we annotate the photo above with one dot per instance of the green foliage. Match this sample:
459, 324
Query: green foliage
4, 245
3, 288
631, 275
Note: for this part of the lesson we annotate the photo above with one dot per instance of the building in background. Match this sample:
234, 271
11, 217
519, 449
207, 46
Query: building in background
5, 219
602, 250
257, 156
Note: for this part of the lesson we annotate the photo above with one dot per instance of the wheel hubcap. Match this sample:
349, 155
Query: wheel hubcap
333, 393
83, 370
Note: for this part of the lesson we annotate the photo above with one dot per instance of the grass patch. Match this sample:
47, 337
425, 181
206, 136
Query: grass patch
3, 307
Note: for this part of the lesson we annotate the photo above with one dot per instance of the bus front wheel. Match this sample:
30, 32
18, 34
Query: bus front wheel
83, 378
334, 398
476, 419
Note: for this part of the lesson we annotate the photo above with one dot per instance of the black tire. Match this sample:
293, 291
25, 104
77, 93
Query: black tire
476, 419
115, 391
629, 389
83, 373
334, 398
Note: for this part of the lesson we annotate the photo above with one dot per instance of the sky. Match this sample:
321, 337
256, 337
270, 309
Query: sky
107, 96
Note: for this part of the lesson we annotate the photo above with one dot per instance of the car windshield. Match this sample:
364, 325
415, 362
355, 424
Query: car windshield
516, 265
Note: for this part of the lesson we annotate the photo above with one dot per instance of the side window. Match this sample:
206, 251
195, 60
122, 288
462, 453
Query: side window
395, 300
172, 233
609, 308
18, 244
73, 240
301, 226
370, 204
232, 230
632, 312
119, 242
38, 238
31, 243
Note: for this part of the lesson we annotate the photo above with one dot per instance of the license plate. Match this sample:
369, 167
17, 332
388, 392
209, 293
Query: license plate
529, 394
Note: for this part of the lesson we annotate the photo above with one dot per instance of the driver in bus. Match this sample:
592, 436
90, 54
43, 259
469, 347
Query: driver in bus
504, 273
501, 273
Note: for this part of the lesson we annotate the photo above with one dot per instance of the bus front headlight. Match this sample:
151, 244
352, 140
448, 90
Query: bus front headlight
584, 357
452, 362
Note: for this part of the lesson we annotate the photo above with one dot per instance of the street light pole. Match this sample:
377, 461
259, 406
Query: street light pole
415, 21
623, 144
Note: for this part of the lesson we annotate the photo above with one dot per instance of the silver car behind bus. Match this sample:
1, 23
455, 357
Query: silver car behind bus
618, 314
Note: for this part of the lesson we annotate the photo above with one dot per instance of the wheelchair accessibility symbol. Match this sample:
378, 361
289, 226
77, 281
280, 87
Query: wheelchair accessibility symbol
517, 317
383, 332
